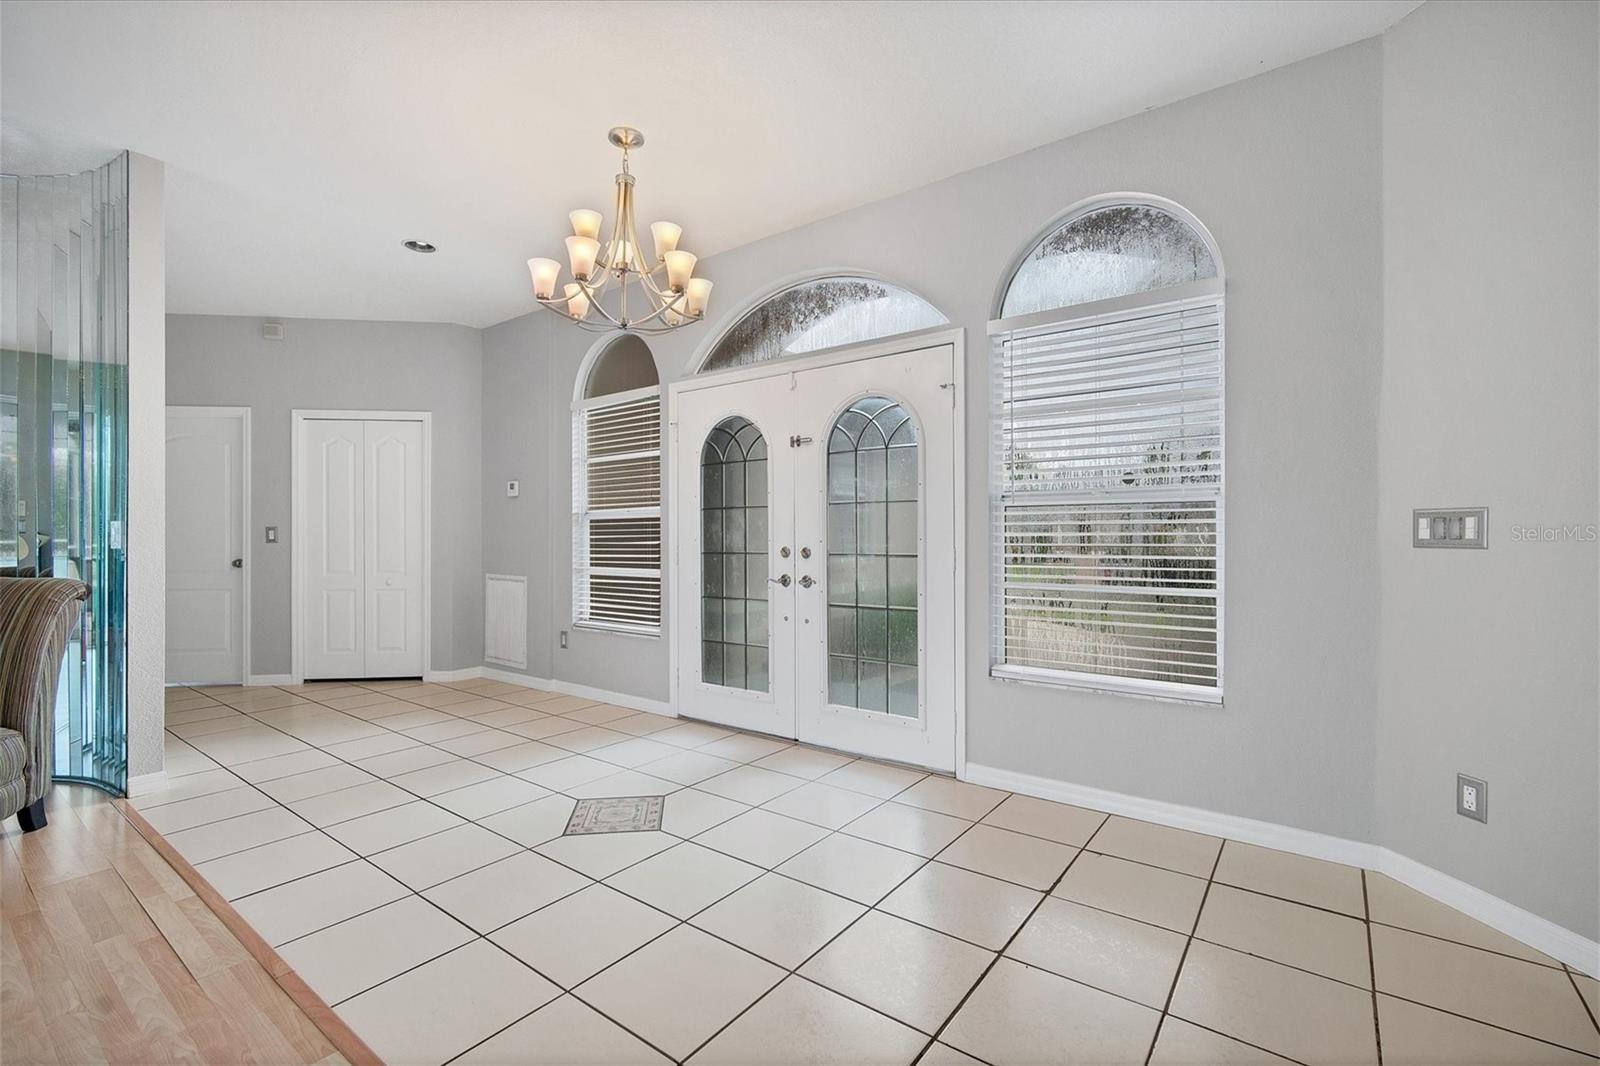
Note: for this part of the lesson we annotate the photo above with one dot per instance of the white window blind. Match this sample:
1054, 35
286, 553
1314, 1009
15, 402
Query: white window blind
616, 519
1108, 435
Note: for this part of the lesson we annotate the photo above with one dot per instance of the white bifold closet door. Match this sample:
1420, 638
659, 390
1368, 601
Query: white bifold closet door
363, 533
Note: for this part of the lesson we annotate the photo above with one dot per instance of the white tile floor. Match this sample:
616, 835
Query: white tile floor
402, 846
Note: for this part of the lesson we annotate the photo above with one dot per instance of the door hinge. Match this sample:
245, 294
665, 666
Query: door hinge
798, 441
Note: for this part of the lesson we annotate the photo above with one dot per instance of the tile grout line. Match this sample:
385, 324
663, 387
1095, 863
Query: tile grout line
1372, 966
1183, 957
1573, 979
1048, 893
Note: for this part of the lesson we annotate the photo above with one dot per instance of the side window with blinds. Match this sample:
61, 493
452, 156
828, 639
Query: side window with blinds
1108, 464
616, 499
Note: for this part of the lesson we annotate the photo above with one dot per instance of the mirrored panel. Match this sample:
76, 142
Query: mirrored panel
734, 630
873, 549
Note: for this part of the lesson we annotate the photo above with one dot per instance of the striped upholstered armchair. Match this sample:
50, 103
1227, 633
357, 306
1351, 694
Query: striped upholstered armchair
36, 618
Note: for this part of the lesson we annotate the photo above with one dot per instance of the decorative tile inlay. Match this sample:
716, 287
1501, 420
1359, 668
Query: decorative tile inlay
626, 814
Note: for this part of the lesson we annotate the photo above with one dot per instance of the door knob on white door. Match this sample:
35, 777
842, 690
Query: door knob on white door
781, 579
806, 582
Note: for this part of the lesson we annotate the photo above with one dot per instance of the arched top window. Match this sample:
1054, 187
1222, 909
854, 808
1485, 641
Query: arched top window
1110, 250
620, 365
821, 313
1107, 482
616, 488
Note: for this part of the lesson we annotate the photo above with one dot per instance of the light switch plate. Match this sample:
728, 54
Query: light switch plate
1458, 527
272, 534
513, 488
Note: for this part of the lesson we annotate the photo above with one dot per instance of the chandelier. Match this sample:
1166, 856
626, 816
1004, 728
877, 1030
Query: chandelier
672, 296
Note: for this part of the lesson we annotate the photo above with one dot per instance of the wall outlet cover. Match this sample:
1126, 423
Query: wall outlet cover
563, 638
1472, 797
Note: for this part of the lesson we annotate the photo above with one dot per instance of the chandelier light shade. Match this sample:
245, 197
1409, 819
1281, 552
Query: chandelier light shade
668, 296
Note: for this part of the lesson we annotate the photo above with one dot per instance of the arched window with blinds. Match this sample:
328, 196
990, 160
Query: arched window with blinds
616, 489
1107, 471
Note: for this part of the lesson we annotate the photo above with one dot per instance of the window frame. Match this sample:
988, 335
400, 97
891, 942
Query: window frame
1196, 292
582, 514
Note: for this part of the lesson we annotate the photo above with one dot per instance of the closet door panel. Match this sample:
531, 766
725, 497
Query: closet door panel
334, 460
393, 549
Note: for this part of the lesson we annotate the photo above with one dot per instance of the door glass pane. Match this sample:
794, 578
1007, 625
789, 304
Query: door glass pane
872, 559
733, 556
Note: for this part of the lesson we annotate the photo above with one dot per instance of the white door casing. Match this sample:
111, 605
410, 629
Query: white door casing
207, 500
360, 543
796, 410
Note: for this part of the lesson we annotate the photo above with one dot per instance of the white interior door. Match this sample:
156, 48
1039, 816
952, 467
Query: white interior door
734, 512
362, 543
205, 546
392, 572
853, 538
333, 546
875, 530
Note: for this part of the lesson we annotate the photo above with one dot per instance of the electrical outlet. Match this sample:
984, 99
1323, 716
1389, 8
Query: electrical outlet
563, 638
1472, 798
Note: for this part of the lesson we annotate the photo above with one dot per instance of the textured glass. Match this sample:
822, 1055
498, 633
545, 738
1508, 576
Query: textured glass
1112, 251
824, 313
64, 436
733, 556
873, 557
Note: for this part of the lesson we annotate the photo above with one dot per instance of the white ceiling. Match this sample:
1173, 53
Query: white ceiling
305, 141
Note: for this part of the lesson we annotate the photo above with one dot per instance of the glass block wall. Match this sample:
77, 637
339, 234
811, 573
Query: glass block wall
64, 435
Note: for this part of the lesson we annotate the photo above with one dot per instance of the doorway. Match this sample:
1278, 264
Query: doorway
816, 559
208, 564
361, 532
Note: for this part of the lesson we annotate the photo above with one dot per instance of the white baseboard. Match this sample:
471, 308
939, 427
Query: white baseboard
145, 784
570, 688
269, 679
446, 676
1575, 950
1195, 819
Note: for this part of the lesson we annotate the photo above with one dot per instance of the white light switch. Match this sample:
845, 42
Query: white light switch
513, 488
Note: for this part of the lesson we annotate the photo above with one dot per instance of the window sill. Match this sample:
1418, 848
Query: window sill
619, 630
1161, 692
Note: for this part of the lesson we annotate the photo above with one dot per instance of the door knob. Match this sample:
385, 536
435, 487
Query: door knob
781, 579
784, 551
805, 553
238, 564
806, 582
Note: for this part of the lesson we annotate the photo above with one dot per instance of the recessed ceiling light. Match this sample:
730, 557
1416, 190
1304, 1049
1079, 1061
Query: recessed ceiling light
421, 246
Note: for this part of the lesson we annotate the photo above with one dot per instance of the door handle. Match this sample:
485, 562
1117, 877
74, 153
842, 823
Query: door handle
238, 564
806, 582
781, 579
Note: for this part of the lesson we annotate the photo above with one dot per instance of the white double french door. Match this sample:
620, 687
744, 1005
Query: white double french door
359, 535
815, 531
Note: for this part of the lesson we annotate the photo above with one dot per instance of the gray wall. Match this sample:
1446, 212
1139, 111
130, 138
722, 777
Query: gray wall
399, 366
1488, 398
1285, 171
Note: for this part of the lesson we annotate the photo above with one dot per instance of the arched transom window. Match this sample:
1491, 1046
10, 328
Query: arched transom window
1105, 252
1108, 429
818, 314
